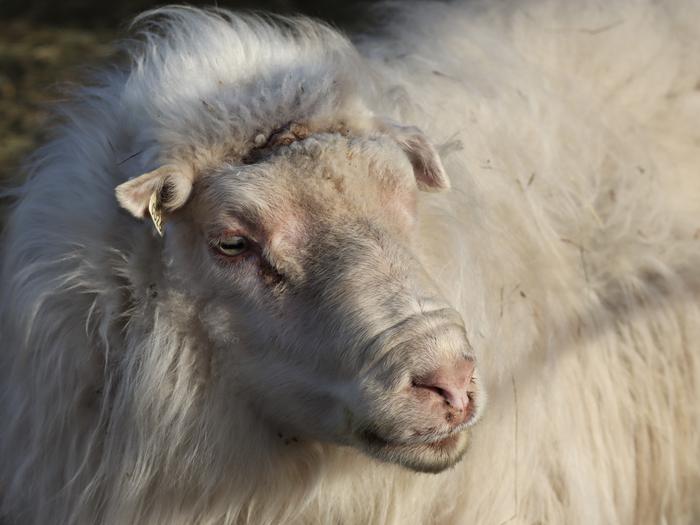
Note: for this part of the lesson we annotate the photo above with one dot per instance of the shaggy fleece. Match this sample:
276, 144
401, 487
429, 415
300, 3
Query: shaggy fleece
570, 133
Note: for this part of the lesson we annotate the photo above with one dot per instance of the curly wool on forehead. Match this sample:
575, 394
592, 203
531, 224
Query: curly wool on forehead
346, 161
319, 169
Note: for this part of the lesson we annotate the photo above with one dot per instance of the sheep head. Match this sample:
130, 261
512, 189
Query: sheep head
304, 261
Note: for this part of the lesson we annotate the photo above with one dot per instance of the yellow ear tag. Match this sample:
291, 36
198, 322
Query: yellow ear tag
156, 211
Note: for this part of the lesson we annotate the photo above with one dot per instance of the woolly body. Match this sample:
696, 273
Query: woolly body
569, 244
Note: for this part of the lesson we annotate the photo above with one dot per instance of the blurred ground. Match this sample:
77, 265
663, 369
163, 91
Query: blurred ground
45, 43
34, 58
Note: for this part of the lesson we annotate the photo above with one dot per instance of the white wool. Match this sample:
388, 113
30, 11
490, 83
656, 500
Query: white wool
570, 134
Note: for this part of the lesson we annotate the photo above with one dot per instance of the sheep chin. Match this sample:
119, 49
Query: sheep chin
434, 457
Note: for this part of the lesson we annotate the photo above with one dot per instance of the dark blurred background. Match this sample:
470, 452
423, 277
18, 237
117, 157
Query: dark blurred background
44, 43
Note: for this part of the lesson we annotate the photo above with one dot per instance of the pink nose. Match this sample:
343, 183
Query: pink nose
451, 382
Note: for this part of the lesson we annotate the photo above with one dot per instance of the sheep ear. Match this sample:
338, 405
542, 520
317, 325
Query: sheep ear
427, 166
159, 191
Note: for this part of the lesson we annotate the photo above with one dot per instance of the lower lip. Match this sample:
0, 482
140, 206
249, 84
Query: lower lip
421, 456
443, 445
447, 443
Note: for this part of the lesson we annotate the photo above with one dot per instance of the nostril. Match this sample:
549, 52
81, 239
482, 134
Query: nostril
450, 382
456, 398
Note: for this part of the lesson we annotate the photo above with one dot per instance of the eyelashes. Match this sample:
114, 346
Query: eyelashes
232, 245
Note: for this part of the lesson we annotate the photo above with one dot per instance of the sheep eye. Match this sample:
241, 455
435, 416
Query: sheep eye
232, 246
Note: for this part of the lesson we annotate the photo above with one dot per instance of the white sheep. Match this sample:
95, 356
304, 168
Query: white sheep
291, 333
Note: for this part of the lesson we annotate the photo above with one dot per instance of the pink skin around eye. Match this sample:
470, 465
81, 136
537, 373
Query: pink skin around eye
285, 232
253, 255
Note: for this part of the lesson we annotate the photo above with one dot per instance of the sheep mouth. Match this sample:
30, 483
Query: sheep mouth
431, 455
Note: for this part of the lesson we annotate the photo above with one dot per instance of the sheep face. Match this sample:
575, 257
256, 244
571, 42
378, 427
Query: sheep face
320, 315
